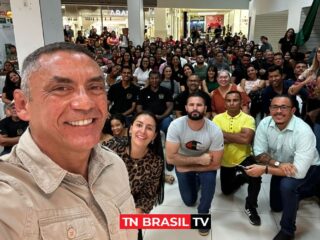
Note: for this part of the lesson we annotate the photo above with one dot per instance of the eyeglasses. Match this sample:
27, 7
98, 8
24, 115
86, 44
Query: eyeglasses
282, 107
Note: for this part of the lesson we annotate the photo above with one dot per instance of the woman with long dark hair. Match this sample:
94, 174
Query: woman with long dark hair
141, 151
210, 82
287, 41
141, 74
12, 82
169, 82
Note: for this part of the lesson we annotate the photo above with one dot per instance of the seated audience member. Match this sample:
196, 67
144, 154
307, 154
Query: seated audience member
278, 86
286, 146
219, 62
210, 83
253, 87
200, 67
287, 70
11, 128
298, 69
193, 84
123, 95
240, 71
267, 63
7, 67
12, 82
141, 74
307, 81
238, 132
169, 83
177, 71
195, 146
115, 126
58, 182
218, 95
158, 100
140, 152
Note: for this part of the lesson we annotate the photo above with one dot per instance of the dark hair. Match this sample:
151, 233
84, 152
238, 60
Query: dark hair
197, 94
130, 59
8, 62
156, 148
215, 69
274, 68
141, 64
293, 34
107, 125
291, 99
234, 92
126, 67
187, 65
8, 82
171, 79
154, 73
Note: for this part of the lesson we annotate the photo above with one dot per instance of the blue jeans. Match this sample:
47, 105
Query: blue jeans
189, 185
285, 194
164, 124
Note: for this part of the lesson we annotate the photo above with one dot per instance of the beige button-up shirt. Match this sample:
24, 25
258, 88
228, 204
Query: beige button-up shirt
40, 200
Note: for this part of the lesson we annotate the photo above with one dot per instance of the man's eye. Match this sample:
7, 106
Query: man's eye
61, 89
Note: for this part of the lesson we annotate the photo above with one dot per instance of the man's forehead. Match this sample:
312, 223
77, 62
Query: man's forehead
280, 100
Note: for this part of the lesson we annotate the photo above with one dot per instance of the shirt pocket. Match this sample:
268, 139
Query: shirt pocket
123, 204
69, 223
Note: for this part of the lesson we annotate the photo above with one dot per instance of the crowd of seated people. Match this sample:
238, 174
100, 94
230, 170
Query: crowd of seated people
158, 77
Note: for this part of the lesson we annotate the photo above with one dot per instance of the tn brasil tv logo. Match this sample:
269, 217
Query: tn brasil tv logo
165, 221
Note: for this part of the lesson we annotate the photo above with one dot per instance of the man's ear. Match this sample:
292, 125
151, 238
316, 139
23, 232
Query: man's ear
21, 104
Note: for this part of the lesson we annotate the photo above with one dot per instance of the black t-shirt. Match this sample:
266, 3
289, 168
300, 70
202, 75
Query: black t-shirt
181, 100
8, 90
11, 128
286, 45
122, 98
239, 73
155, 102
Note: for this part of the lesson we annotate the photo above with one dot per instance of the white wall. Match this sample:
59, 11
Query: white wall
36, 23
259, 7
205, 4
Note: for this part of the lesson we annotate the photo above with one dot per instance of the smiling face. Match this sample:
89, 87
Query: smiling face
223, 79
252, 73
143, 131
187, 71
281, 111
275, 79
117, 127
67, 107
14, 77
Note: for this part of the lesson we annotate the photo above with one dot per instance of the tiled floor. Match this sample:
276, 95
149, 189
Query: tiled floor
229, 222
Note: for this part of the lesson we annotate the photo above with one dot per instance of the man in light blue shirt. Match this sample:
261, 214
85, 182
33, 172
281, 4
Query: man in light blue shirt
286, 146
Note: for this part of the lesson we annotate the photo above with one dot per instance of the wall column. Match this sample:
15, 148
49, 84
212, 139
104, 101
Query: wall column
136, 21
36, 23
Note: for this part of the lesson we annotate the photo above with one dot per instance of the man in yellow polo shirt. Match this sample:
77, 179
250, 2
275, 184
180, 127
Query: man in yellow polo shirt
238, 132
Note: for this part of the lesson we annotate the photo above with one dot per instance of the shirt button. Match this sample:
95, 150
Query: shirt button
71, 233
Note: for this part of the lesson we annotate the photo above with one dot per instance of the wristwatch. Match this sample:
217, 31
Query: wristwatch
276, 164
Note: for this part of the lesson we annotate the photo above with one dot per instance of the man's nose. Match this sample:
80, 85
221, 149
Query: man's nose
82, 101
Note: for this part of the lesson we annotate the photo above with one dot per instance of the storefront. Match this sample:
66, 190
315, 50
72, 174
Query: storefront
115, 18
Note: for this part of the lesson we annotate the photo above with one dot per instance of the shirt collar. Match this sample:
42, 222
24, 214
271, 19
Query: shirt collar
46, 173
235, 117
